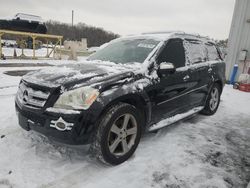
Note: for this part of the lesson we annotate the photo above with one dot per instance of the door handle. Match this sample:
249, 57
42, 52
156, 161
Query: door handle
186, 77
210, 70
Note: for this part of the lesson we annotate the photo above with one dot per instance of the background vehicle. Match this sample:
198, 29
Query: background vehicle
24, 22
111, 104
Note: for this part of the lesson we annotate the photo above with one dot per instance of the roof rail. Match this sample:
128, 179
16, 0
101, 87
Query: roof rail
194, 35
178, 33
162, 32
27, 14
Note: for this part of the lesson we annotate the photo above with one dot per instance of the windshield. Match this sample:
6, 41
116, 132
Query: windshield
126, 51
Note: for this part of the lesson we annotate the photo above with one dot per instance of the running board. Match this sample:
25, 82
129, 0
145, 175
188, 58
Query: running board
173, 119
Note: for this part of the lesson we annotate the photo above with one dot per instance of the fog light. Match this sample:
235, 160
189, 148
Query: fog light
61, 125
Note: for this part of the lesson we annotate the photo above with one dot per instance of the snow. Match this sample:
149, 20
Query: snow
27, 52
28, 17
41, 52
195, 52
165, 35
203, 151
53, 73
63, 111
8, 42
93, 49
173, 119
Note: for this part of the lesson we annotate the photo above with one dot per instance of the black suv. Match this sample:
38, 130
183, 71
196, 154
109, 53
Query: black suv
134, 84
24, 22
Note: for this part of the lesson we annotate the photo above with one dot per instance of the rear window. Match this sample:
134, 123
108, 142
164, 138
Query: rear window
212, 52
196, 52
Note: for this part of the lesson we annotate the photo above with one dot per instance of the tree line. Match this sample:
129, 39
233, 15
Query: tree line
95, 36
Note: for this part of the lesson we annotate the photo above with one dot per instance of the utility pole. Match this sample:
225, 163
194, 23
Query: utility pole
72, 18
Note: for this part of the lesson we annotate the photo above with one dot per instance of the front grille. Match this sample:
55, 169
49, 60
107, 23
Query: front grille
31, 97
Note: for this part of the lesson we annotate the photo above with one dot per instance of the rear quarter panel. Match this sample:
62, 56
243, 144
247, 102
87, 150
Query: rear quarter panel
219, 72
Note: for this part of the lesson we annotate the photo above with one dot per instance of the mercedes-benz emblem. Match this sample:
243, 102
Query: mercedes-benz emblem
25, 96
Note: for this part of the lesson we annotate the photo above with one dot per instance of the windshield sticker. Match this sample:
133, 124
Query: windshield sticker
142, 45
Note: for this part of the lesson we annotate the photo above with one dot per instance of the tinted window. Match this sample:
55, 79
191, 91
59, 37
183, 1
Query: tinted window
126, 51
196, 52
212, 52
173, 53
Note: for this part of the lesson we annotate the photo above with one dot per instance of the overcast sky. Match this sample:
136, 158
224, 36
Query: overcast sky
207, 17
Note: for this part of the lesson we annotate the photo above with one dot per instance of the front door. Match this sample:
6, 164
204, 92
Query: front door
170, 95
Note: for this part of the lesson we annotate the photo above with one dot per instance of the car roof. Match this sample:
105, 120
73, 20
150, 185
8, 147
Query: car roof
166, 35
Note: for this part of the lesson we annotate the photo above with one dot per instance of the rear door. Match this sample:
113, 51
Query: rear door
214, 57
199, 71
170, 95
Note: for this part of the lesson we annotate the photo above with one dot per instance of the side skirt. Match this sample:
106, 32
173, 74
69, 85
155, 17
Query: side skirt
175, 118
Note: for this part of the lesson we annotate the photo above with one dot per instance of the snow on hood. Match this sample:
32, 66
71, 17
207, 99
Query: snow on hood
79, 72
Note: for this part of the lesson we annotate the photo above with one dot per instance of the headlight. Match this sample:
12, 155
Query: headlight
79, 99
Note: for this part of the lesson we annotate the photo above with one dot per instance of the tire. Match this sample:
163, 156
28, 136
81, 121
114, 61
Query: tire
113, 143
213, 100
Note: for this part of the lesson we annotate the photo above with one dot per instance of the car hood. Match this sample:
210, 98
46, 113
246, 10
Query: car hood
87, 73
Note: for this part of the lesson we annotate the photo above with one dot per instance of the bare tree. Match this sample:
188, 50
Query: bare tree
96, 36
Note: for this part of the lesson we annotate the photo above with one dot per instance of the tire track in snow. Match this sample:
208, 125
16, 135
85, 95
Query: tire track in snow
83, 174
14, 131
8, 95
3, 88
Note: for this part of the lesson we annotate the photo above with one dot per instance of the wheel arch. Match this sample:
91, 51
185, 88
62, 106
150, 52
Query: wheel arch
138, 101
220, 83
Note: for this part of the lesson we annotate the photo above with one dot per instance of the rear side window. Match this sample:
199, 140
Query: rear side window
173, 53
196, 51
212, 52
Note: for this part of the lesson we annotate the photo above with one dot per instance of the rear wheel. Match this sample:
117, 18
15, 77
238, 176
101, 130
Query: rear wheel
213, 100
118, 134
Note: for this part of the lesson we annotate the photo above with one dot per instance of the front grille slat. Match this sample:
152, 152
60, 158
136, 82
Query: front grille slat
40, 95
31, 97
36, 103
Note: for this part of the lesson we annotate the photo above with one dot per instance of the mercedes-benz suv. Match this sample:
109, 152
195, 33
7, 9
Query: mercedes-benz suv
133, 85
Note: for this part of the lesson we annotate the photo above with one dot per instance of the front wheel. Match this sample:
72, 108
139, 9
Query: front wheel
213, 100
118, 134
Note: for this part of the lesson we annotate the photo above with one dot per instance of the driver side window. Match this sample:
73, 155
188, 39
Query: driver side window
173, 53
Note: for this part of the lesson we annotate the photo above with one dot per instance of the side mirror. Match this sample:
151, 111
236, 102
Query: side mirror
166, 68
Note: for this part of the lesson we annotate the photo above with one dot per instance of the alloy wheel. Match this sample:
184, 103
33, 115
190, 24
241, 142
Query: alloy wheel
122, 135
214, 100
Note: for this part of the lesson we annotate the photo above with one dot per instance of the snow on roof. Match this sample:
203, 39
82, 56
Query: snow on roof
28, 17
165, 35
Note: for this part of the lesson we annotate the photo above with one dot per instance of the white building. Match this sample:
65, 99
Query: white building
76, 45
239, 39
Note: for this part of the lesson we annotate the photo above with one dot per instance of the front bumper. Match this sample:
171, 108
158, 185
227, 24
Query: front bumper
81, 132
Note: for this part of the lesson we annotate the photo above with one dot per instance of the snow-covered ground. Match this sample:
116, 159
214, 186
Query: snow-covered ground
27, 52
42, 52
199, 152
